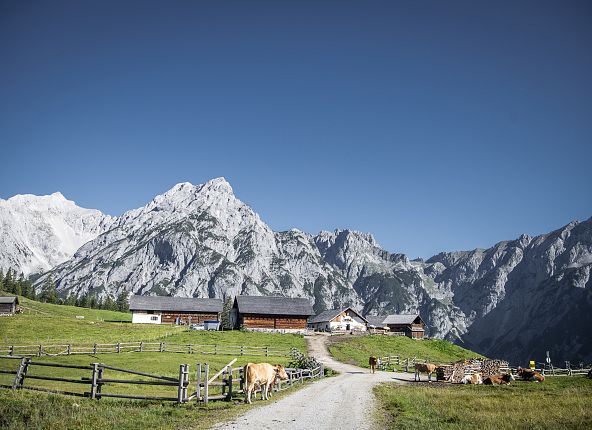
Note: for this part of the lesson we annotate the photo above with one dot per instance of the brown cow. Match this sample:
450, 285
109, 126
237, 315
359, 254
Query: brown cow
372, 361
474, 379
530, 375
428, 368
264, 375
499, 379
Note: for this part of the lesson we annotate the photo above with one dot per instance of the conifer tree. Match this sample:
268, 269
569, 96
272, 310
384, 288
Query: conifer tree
122, 301
49, 293
8, 284
225, 315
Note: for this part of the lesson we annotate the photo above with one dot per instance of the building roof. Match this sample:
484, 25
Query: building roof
9, 299
274, 305
159, 303
401, 319
376, 320
329, 314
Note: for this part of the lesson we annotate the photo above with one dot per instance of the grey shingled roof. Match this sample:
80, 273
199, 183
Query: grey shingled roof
329, 314
274, 305
159, 303
8, 299
400, 319
376, 321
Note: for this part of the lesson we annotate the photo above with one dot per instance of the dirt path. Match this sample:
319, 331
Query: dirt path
343, 401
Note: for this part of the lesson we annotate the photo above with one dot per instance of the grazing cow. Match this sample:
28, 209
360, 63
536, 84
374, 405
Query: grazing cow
499, 379
530, 375
428, 368
263, 375
372, 361
474, 379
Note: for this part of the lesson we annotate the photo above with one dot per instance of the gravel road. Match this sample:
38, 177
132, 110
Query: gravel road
344, 401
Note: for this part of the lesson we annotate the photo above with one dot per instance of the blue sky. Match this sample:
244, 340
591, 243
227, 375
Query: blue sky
433, 125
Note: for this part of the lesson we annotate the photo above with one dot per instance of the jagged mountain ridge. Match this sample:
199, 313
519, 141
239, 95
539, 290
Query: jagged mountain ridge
200, 240
39, 232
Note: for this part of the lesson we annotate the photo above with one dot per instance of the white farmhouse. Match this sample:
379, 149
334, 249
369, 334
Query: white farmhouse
344, 319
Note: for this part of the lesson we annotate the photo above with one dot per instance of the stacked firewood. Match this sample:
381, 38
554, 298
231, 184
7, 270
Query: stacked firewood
455, 372
493, 367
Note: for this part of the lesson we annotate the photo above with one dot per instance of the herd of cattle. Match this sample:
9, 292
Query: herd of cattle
477, 378
264, 375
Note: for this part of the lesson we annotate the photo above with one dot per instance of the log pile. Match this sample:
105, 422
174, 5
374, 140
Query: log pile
455, 372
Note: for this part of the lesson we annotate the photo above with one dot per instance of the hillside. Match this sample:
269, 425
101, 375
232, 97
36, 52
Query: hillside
357, 349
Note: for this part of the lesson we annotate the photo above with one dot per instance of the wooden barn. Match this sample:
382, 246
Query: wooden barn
174, 310
376, 324
343, 319
271, 313
410, 324
8, 305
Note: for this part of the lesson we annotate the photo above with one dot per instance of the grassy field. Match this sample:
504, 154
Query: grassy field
56, 324
558, 403
27, 410
46, 323
357, 349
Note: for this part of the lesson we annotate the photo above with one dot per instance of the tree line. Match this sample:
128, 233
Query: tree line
48, 293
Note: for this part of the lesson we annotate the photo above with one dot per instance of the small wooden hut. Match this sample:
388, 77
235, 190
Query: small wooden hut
8, 305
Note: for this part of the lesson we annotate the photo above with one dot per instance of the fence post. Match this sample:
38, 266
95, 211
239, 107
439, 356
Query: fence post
93, 381
94, 348
10, 349
40, 350
141, 346
229, 396
322, 370
118, 347
224, 379
242, 349
241, 374
198, 390
216, 349
190, 349
267, 351
69, 349
99, 383
182, 390
19, 372
206, 388
160, 348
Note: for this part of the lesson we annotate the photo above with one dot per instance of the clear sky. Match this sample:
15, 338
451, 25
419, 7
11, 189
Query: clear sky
434, 125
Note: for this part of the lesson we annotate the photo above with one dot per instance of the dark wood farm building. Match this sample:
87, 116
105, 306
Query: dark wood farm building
376, 324
412, 325
171, 310
271, 312
8, 305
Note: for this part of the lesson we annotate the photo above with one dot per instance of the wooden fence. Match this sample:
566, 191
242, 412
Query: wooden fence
229, 381
119, 347
223, 385
389, 362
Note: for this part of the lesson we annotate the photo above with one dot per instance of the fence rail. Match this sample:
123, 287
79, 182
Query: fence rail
223, 385
119, 347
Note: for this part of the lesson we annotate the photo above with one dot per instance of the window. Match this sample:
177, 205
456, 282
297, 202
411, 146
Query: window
154, 318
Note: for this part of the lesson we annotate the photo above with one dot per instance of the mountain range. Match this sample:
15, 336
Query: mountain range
515, 300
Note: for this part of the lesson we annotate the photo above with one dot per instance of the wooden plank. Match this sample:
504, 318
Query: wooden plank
67, 366
135, 382
54, 378
127, 396
133, 372
222, 370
